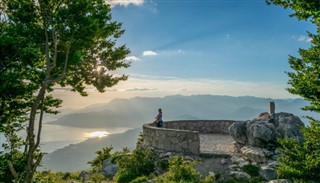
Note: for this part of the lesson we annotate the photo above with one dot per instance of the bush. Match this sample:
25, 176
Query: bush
181, 171
301, 161
140, 179
97, 162
163, 164
252, 170
140, 163
97, 177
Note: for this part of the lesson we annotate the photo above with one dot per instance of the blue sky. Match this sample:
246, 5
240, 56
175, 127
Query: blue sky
225, 40
218, 47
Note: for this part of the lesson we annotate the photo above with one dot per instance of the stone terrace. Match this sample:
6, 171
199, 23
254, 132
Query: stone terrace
191, 136
215, 143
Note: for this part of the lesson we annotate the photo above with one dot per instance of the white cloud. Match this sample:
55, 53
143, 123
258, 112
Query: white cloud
302, 38
125, 2
149, 53
132, 58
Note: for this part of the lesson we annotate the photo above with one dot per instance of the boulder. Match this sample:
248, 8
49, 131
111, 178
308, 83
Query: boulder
238, 132
109, 169
264, 130
240, 175
280, 181
268, 172
254, 154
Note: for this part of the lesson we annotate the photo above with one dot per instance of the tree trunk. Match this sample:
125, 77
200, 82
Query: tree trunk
32, 146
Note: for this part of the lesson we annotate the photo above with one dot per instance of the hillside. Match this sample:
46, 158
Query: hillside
74, 157
136, 111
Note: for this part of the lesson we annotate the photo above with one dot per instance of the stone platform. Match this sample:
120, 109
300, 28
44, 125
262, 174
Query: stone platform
217, 144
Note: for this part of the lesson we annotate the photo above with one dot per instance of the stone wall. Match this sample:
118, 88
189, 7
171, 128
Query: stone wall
202, 126
182, 136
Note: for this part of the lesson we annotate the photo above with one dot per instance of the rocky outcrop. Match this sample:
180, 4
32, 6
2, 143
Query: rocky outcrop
109, 169
264, 130
256, 140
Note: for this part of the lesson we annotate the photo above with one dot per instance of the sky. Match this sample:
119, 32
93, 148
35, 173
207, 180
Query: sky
190, 47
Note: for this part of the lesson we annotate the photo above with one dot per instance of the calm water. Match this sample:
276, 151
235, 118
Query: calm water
56, 136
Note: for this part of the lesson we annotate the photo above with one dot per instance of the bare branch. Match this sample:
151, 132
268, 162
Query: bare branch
13, 172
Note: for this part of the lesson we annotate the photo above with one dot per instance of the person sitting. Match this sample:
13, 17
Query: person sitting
159, 121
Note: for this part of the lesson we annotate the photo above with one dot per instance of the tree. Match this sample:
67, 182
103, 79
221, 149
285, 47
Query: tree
301, 161
49, 43
97, 162
305, 80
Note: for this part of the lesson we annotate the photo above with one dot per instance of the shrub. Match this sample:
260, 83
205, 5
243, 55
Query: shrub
181, 171
252, 170
301, 161
97, 162
140, 163
140, 179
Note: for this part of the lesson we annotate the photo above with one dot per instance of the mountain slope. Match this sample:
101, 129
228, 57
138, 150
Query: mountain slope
136, 111
74, 157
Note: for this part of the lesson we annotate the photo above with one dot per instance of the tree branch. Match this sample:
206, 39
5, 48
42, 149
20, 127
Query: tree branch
39, 126
13, 172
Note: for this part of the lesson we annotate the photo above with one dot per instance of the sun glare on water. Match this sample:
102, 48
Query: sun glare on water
98, 134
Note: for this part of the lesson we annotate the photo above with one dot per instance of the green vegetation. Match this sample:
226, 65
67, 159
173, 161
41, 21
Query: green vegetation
97, 162
44, 44
132, 166
301, 161
252, 170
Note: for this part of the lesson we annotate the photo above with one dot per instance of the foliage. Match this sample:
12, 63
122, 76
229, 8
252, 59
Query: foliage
163, 164
119, 154
305, 80
301, 161
181, 170
45, 44
53, 177
139, 163
140, 138
140, 179
252, 170
97, 177
97, 162
17, 159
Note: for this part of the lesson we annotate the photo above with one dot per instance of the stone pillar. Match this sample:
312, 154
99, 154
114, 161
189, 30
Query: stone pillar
272, 108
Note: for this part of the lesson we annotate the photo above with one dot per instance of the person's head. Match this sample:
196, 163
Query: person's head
159, 110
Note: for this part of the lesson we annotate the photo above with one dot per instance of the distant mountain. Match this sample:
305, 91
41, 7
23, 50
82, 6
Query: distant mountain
136, 111
132, 113
74, 157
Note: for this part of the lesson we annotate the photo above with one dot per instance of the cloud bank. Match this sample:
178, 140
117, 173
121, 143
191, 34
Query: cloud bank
125, 2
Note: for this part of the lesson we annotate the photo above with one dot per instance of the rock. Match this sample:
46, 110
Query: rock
254, 154
238, 132
280, 181
265, 116
84, 175
264, 130
240, 175
268, 172
109, 169
273, 164
234, 168
260, 133
240, 161
288, 125
223, 161
257, 138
